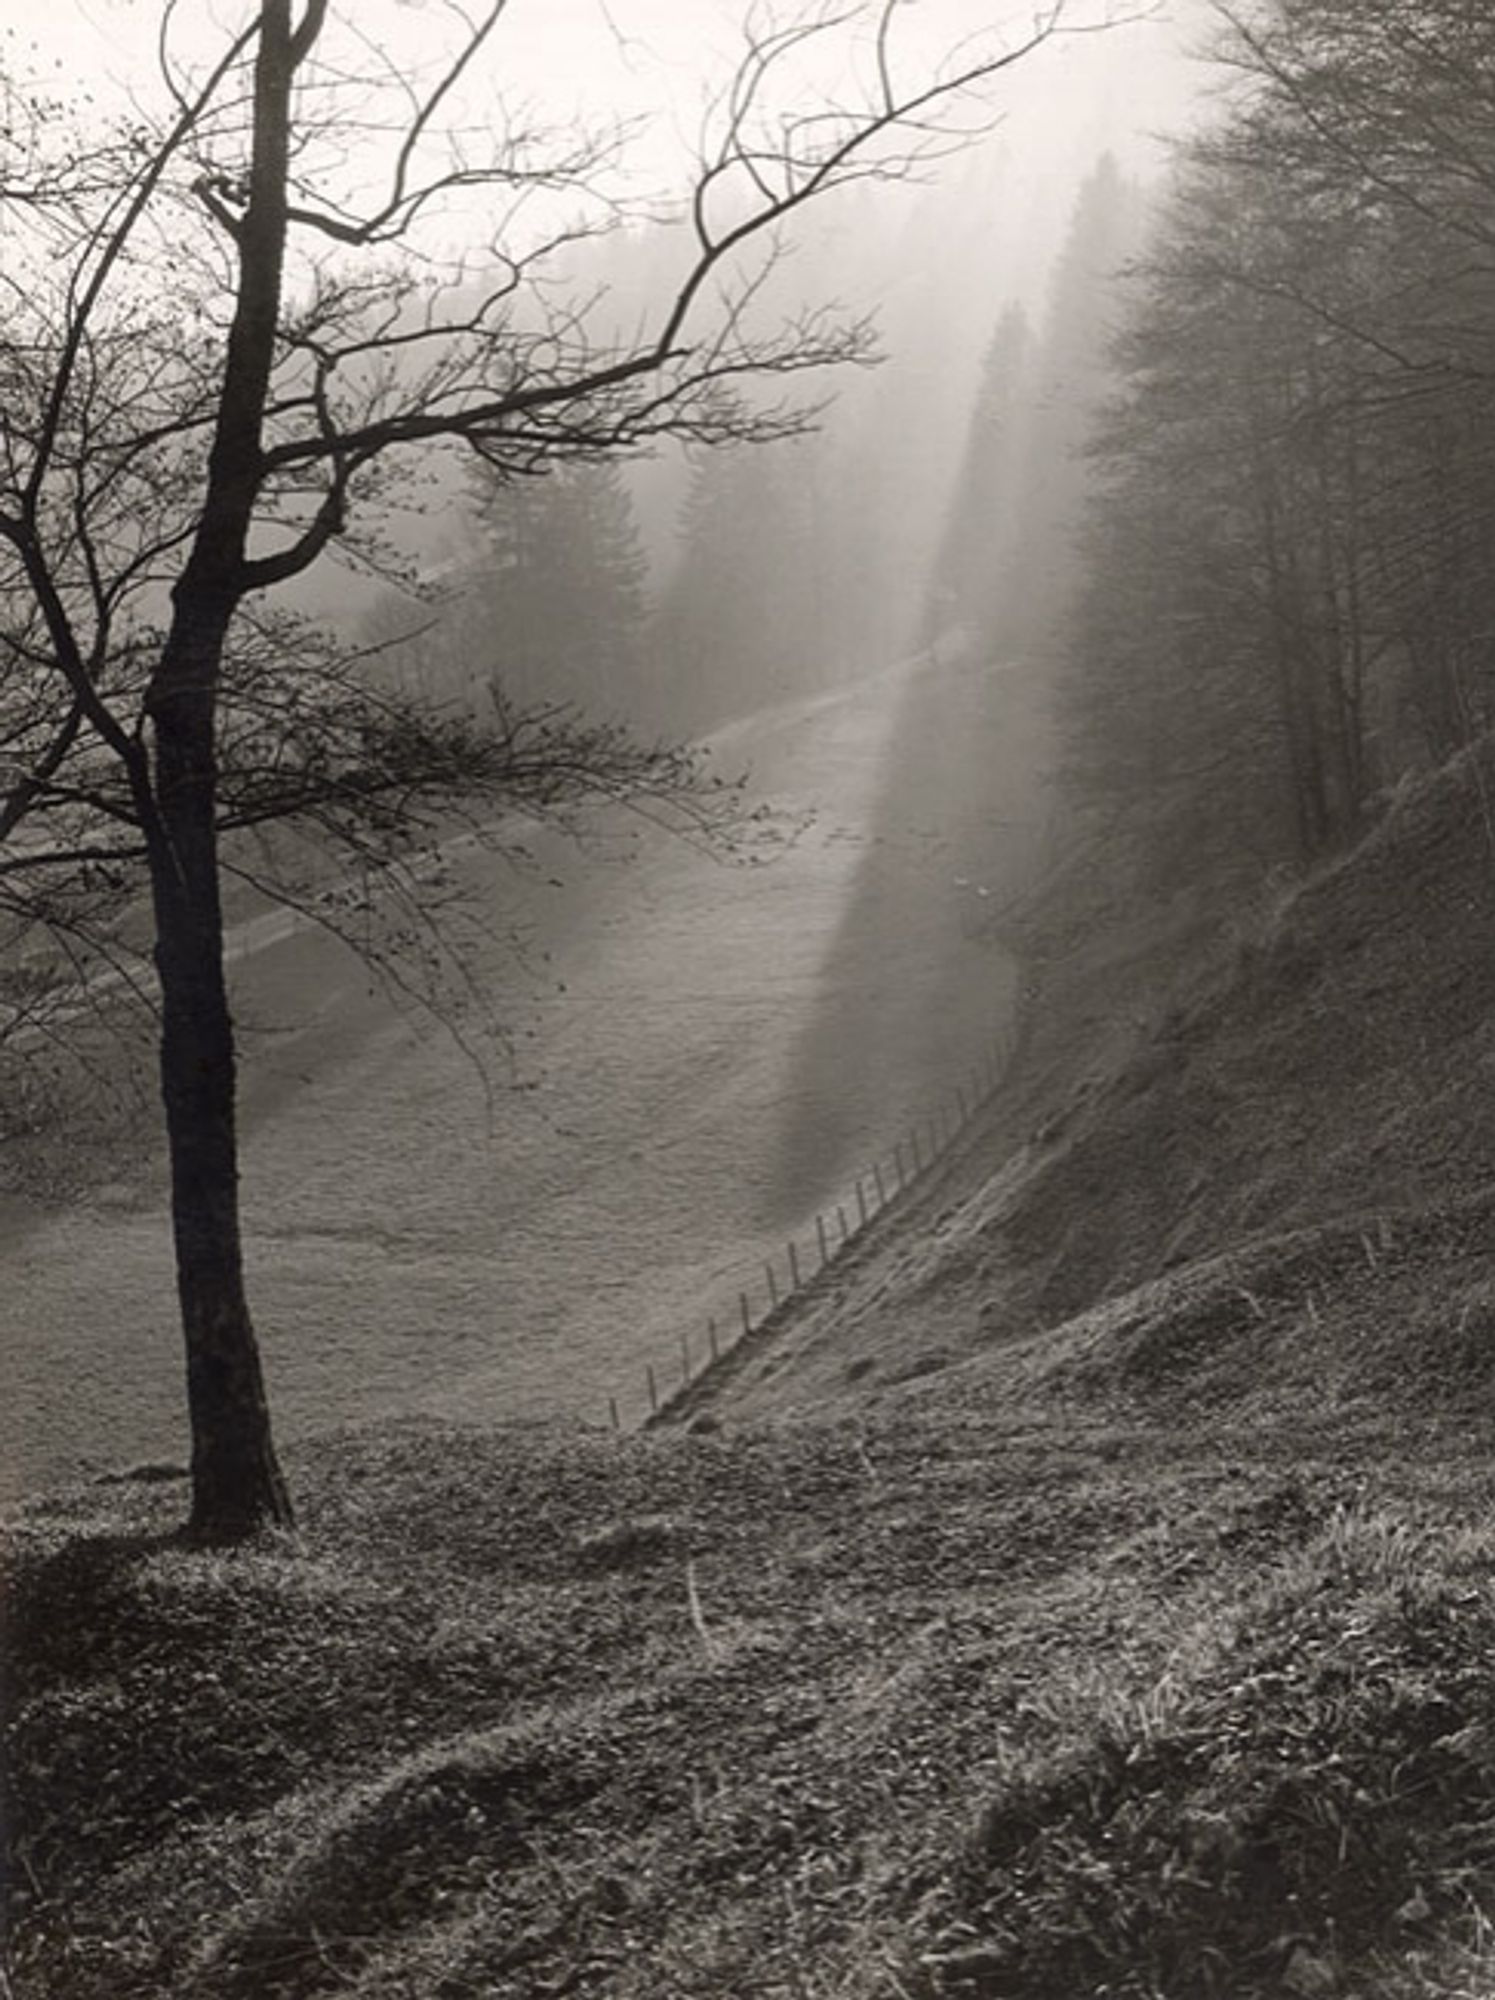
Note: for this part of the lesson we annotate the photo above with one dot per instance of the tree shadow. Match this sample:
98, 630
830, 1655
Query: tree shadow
915, 985
73, 1613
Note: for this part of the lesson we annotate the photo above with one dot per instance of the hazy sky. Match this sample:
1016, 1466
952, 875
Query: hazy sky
950, 256
656, 56
657, 62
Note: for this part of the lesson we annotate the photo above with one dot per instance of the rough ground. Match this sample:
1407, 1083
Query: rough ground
1093, 1595
948, 1697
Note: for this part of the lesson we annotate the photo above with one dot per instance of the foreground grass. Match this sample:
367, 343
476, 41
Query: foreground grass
921, 1703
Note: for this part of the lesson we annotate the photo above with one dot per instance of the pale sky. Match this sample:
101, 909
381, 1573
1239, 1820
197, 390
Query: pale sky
653, 56
945, 259
584, 62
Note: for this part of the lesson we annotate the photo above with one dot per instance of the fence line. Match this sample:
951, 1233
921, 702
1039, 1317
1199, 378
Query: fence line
912, 1159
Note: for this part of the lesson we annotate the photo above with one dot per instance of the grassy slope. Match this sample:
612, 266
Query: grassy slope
1143, 1652
1276, 1180
702, 1056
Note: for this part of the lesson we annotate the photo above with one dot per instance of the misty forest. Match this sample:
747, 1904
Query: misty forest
747, 1000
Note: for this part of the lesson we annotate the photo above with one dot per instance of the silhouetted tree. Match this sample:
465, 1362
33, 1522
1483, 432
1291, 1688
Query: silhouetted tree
226, 342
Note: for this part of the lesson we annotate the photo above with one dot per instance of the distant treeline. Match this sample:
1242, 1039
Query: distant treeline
1232, 516
785, 567
773, 592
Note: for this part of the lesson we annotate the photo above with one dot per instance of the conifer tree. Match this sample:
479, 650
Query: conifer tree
745, 618
973, 570
558, 591
1067, 382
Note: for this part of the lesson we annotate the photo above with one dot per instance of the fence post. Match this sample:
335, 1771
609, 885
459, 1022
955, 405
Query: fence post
653, 1392
912, 1154
612, 1404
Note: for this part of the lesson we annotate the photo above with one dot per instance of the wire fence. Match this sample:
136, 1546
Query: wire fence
765, 1290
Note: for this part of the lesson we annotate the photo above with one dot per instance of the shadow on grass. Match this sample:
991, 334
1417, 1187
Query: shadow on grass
72, 1613
914, 986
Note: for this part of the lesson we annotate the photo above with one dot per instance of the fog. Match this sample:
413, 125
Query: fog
838, 598
934, 262
787, 779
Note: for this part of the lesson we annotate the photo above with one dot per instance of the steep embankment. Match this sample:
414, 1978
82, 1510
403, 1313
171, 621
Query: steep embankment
1280, 1183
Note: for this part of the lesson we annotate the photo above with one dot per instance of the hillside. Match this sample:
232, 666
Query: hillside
1275, 1181
1091, 1592
664, 1056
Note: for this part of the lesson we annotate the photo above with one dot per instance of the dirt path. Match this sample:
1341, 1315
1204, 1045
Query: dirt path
703, 1054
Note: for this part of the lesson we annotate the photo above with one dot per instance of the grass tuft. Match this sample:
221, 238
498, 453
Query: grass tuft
624, 1545
1309, 1798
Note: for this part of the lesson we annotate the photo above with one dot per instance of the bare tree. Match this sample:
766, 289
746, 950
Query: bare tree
222, 348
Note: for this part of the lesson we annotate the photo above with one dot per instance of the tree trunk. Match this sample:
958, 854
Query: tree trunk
236, 1483
237, 1486
1297, 721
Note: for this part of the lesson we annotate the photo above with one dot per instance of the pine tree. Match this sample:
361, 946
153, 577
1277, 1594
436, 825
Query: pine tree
974, 567
558, 592
1068, 380
745, 619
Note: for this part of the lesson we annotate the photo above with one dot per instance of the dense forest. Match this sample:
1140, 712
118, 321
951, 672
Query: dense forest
1288, 595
